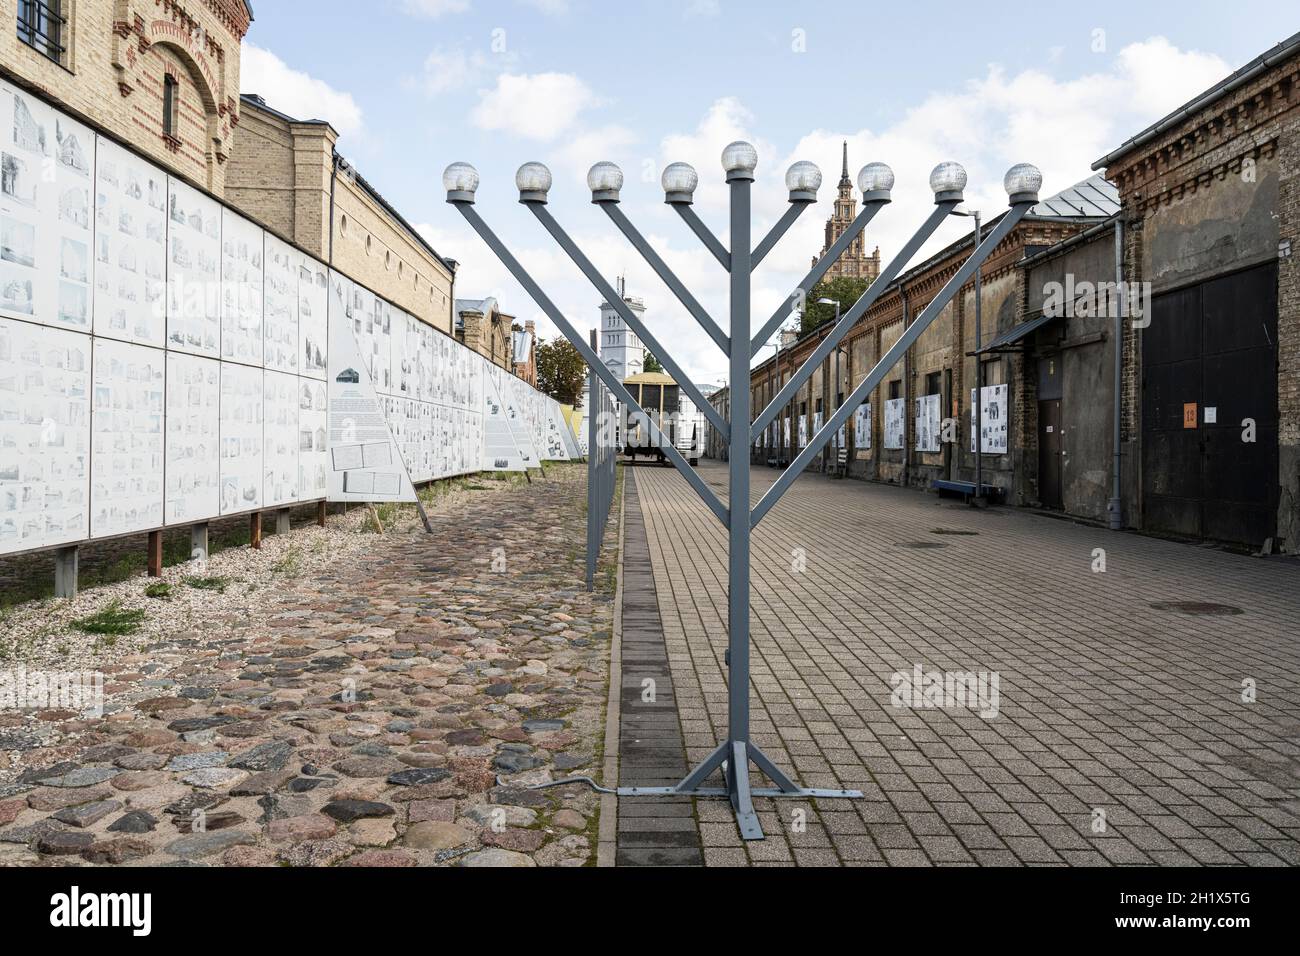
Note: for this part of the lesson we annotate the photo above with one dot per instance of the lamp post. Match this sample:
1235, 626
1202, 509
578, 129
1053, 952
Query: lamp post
836, 303
978, 500
739, 160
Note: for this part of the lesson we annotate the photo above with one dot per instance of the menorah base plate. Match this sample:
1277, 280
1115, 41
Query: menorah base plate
733, 759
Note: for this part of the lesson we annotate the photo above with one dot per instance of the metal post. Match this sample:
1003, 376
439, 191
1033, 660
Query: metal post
65, 572
738, 533
199, 542
593, 452
1115, 508
978, 500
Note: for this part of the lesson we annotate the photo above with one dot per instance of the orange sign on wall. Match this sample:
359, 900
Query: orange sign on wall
1189, 415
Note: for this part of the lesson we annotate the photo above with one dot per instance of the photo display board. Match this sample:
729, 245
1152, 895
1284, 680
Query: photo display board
126, 475
46, 164
130, 247
44, 436
928, 423
165, 361
193, 271
862, 427
895, 409
994, 440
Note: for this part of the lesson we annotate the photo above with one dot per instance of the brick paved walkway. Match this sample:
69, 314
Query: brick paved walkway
652, 831
1106, 703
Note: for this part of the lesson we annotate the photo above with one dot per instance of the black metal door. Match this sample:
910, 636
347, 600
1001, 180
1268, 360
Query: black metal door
1209, 384
1049, 454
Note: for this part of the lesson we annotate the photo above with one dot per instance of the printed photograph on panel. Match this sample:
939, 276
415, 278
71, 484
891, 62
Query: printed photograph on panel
130, 247
126, 477
241, 290
44, 436
193, 490
193, 271
241, 438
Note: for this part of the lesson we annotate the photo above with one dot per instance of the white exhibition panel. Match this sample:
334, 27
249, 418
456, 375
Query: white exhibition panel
46, 162
280, 277
313, 316
241, 438
130, 247
241, 290
44, 436
193, 271
164, 361
193, 438
126, 475
280, 401
313, 447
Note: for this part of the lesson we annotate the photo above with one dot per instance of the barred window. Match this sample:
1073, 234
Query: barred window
41, 25
169, 106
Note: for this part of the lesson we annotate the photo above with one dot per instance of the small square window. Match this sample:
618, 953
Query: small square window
42, 26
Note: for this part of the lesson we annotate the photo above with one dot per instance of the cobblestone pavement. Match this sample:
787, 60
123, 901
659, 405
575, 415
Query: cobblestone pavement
385, 711
1121, 735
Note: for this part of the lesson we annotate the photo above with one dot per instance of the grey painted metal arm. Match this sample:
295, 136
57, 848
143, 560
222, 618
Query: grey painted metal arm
614, 299
777, 231
889, 360
668, 276
590, 357
849, 318
814, 275
711, 242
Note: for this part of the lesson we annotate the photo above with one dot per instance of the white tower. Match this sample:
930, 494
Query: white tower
620, 348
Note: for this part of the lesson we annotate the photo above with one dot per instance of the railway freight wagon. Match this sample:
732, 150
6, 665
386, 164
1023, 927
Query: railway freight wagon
676, 417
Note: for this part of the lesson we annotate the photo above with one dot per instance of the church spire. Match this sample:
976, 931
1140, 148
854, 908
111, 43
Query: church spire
844, 174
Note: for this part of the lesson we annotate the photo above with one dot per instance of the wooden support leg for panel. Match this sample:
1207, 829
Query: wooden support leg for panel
155, 554
65, 572
282, 521
320, 514
255, 530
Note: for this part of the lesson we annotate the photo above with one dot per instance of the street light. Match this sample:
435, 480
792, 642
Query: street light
836, 303
739, 160
978, 499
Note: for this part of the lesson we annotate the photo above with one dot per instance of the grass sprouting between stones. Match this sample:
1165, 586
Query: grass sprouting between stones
112, 619
208, 584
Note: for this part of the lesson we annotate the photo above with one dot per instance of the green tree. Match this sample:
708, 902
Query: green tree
652, 364
845, 289
561, 372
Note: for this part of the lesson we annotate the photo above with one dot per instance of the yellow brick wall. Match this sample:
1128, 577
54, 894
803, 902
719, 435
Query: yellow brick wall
112, 74
280, 174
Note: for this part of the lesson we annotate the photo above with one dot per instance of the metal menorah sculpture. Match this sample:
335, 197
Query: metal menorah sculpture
803, 179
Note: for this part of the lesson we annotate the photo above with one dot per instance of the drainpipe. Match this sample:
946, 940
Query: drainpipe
334, 178
1114, 509
907, 393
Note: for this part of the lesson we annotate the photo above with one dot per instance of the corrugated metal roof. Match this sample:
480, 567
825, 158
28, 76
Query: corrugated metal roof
1094, 198
485, 306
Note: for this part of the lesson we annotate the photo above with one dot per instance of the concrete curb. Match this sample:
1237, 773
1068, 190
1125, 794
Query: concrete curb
607, 838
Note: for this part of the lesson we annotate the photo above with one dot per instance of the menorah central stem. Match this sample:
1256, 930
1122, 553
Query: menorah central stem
738, 531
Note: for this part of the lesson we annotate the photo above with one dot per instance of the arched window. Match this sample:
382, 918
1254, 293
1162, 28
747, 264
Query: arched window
171, 98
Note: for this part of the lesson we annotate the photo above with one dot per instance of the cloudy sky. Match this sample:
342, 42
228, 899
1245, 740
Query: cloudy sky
416, 84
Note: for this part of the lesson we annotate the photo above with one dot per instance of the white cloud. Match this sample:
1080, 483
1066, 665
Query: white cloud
553, 8
1060, 124
433, 9
537, 106
296, 93
446, 70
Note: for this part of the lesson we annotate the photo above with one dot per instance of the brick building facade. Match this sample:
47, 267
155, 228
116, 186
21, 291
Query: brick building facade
161, 75
1182, 259
483, 327
287, 173
1211, 210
